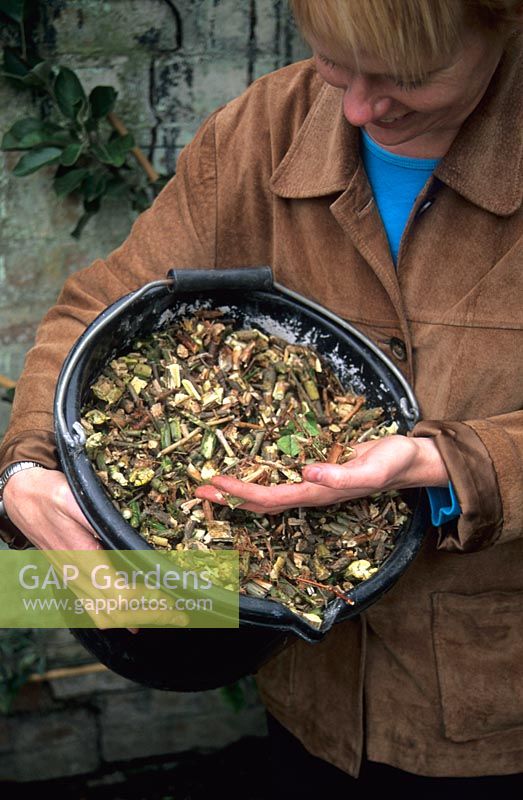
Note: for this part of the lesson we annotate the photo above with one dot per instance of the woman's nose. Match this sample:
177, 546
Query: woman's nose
362, 103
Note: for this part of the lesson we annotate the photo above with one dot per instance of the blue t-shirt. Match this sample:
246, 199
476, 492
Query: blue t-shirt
396, 181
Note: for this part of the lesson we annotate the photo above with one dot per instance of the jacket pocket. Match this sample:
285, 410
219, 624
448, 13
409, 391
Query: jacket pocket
478, 642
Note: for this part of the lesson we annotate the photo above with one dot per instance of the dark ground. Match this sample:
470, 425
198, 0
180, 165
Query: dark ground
237, 771
241, 771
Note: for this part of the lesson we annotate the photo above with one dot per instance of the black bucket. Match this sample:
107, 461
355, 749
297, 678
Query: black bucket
196, 659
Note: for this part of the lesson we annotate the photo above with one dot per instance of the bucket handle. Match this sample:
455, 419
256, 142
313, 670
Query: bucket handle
247, 279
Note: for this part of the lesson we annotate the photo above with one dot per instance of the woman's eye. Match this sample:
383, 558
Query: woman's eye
409, 85
327, 61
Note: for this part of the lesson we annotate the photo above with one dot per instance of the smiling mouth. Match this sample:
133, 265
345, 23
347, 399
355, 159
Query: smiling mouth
393, 119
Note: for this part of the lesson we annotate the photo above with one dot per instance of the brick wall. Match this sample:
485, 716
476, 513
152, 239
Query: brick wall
91, 723
172, 62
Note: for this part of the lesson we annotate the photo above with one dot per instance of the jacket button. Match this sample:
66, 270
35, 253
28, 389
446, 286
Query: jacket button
398, 349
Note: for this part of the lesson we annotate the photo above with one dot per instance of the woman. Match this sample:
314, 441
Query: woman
291, 174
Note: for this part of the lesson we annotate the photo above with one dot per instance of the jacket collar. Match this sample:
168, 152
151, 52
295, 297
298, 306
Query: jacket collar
484, 164
324, 153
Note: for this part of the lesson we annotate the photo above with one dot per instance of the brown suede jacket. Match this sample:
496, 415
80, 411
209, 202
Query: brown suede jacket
430, 679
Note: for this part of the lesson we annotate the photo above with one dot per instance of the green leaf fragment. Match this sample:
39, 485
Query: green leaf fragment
232, 500
115, 151
166, 464
38, 77
234, 696
93, 443
142, 370
9, 394
13, 66
138, 384
69, 93
141, 476
35, 160
310, 424
67, 183
105, 389
102, 100
289, 445
71, 154
116, 475
14, 9
94, 185
176, 431
165, 435
360, 570
208, 444
135, 511
29, 132
311, 389
119, 147
96, 417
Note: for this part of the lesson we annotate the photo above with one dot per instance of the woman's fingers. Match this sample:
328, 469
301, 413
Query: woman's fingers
393, 462
357, 478
268, 499
323, 484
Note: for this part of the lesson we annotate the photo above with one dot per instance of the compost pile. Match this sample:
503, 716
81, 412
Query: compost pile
201, 398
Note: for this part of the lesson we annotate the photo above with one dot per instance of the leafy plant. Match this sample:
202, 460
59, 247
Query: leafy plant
238, 695
21, 655
72, 134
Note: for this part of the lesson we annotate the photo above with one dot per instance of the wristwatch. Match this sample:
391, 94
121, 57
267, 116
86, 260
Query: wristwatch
12, 535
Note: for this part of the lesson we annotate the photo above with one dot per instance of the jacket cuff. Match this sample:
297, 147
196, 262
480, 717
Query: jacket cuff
30, 446
471, 471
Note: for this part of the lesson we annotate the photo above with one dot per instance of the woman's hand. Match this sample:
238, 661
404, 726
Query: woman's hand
40, 503
394, 462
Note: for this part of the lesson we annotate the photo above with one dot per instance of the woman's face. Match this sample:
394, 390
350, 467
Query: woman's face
418, 119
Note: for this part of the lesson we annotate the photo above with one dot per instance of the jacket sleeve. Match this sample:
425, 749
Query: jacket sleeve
177, 231
484, 459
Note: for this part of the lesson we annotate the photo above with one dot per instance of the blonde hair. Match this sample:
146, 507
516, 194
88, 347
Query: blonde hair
407, 35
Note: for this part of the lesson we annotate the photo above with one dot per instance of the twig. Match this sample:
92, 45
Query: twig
324, 586
208, 511
334, 454
179, 443
6, 382
139, 155
66, 672
358, 404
